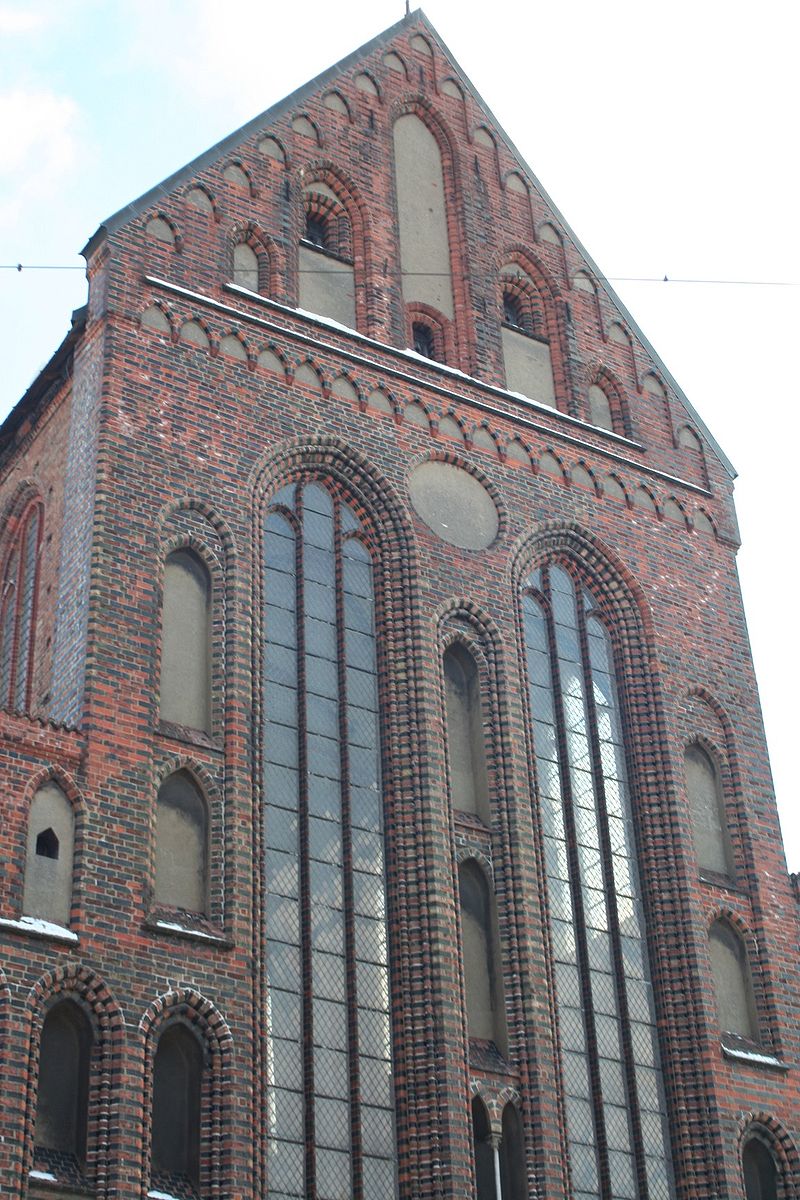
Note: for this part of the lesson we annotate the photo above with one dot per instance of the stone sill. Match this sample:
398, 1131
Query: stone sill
193, 934
37, 928
754, 1057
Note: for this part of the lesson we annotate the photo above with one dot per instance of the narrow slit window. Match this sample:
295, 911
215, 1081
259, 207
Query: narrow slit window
480, 948
177, 1092
186, 642
485, 1174
466, 744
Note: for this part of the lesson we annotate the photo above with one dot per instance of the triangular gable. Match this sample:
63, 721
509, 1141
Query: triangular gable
259, 124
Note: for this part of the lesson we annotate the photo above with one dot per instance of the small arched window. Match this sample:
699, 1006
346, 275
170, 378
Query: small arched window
175, 1129
18, 598
47, 890
759, 1170
480, 946
246, 267
423, 339
709, 827
732, 982
466, 745
181, 845
62, 1098
186, 642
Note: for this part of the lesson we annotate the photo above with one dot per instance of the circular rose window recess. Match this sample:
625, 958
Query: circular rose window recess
454, 504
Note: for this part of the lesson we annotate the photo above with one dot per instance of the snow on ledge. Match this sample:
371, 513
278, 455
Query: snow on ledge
42, 1175
37, 925
153, 1195
176, 927
753, 1056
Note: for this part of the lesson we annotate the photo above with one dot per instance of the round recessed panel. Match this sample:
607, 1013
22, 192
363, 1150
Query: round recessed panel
454, 504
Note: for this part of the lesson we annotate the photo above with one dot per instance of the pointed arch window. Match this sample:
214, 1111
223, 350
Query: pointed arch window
499, 1162
759, 1170
62, 1097
328, 1030
18, 603
707, 808
176, 1113
616, 1119
186, 642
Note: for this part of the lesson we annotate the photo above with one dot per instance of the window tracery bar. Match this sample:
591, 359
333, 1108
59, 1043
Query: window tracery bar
329, 1084
614, 1096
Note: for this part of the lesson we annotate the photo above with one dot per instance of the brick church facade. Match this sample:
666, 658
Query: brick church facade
385, 802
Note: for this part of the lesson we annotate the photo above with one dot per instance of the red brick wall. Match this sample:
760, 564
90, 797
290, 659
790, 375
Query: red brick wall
186, 438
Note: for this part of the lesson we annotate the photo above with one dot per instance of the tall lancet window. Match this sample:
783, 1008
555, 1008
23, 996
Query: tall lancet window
18, 596
466, 745
329, 1072
611, 1072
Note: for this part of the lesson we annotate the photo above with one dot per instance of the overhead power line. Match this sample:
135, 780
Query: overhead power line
19, 267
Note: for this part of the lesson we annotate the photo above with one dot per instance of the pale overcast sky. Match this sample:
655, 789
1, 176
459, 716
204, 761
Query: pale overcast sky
666, 135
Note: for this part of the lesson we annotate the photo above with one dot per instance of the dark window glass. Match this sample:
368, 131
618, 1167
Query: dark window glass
513, 1175
47, 844
316, 231
484, 1153
512, 313
423, 342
